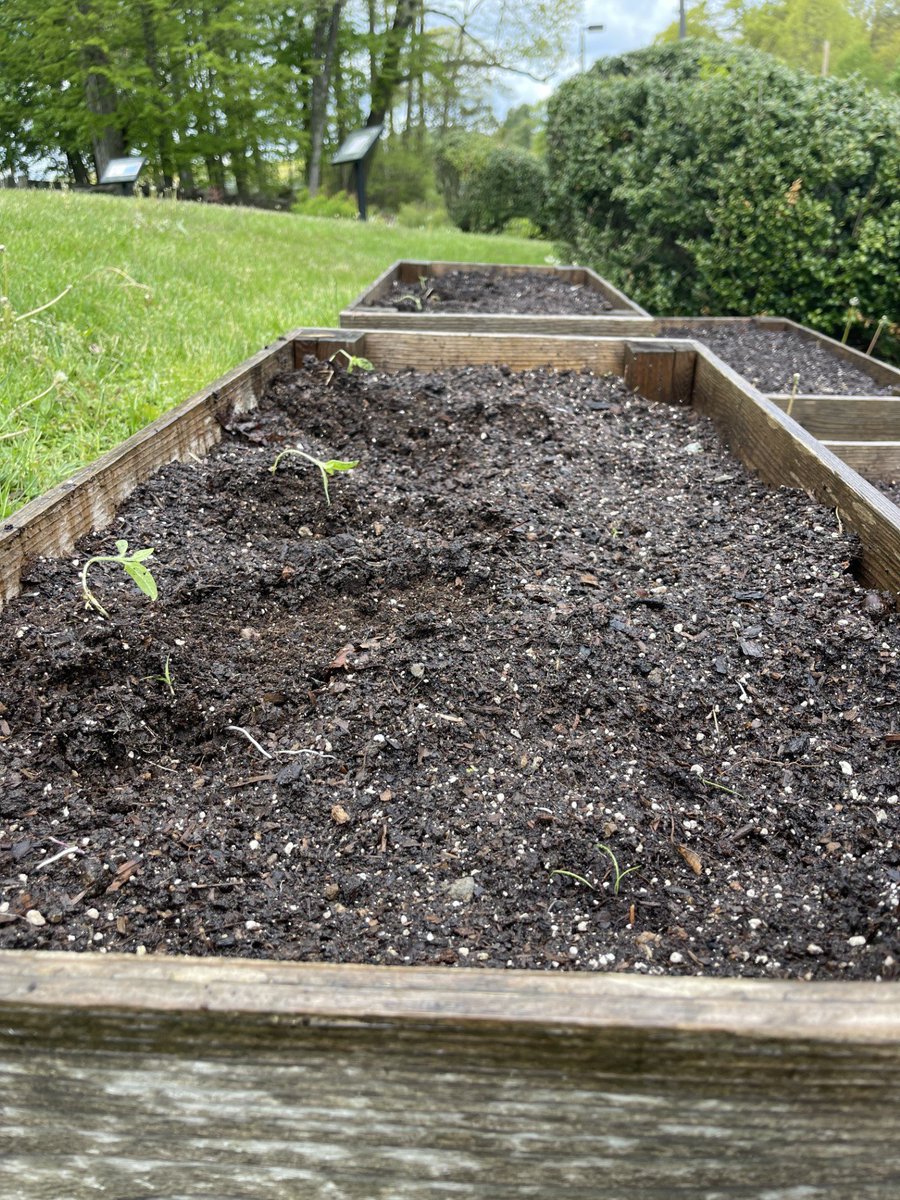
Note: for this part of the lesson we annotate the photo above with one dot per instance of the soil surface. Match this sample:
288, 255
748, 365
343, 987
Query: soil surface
531, 292
543, 626
769, 359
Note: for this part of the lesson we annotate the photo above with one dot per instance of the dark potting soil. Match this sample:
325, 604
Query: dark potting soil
769, 359
545, 626
531, 292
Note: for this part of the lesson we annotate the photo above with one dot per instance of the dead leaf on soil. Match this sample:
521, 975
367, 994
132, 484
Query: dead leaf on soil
691, 858
339, 662
123, 874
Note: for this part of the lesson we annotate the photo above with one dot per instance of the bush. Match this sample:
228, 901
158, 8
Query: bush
705, 178
341, 204
422, 216
399, 176
485, 186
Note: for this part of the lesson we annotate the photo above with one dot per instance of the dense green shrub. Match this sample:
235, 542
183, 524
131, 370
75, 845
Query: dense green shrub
341, 204
485, 186
399, 175
707, 178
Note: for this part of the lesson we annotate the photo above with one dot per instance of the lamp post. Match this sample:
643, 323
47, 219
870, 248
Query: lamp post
587, 29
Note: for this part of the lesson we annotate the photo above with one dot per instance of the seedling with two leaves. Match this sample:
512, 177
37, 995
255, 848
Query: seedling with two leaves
327, 467
131, 564
618, 874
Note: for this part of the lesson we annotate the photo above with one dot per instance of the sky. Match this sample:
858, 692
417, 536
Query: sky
628, 25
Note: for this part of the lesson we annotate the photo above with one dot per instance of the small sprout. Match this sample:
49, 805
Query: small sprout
165, 678
411, 298
795, 388
852, 315
132, 564
354, 362
619, 875
881, 324
329, 467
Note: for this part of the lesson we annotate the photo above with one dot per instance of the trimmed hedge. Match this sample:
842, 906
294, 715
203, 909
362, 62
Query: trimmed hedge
485, 186
705, 178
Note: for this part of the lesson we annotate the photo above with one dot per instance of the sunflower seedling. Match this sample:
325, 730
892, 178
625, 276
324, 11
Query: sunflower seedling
327, 467
354, 362
132, 565
165, 678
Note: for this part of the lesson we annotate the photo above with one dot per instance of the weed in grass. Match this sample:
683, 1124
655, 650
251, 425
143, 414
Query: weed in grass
327, 467
132, 564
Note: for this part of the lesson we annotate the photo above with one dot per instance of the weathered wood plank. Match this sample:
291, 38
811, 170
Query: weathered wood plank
660, 371
278, 1090
53, 523
619, 324
853, 1013
873, 460
396, 349
874, 418
782, 452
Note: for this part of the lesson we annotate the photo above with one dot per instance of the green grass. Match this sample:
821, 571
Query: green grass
163, 298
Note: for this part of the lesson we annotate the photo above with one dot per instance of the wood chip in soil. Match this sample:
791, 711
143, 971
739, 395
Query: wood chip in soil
769, 359
531, 292
548, 638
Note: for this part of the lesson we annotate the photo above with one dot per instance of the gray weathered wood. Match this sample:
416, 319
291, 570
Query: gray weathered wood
873, 460
844, 417
259, 1081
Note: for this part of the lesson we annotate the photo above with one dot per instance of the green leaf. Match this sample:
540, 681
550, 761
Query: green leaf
336, 464
122, 547
141, 555
142, 578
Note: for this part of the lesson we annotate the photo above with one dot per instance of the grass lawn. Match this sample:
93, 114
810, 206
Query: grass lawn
160, 298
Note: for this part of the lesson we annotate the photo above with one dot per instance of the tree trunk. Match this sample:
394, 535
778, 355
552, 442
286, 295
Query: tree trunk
386, 81
328, 18
77, 168
108, 141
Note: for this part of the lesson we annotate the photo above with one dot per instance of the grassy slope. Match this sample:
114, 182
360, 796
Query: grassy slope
216, 284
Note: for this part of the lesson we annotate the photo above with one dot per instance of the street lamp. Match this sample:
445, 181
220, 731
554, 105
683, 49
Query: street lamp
587, 29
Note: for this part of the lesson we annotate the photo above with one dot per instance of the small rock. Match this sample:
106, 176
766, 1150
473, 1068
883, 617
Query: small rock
462, 889
693, 448
339, 814
92, 914
33, 917
417, 669
846, 769
331, 891
812, 948
858, 940
676, 958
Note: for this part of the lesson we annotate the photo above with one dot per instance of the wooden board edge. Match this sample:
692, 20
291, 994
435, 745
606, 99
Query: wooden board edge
53, 522
69, 983
608, 324
783, 453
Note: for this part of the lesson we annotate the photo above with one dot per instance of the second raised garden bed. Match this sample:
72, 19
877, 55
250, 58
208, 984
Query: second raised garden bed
494, 298
476, 525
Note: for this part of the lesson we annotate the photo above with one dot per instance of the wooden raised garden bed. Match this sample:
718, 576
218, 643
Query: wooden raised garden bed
166, 1075
556, 300
859, 420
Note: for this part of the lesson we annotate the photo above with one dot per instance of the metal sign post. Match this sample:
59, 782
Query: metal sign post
357, 148
123, 172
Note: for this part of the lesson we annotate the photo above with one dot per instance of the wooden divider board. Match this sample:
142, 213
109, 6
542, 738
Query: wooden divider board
119, 1073
854, 418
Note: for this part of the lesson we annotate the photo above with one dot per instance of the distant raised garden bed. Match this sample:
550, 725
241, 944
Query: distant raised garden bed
495, 298
851, 402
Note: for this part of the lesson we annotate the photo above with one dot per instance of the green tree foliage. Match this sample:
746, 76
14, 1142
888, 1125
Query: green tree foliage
707, 178
862, 36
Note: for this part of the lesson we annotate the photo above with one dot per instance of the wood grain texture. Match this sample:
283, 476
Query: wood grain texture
53, 523
660, 370
873, 460
783, 453
241, 1080
873, 418
618, 324
393, 350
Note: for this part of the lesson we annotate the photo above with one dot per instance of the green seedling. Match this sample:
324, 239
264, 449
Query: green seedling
165, 678
880, 328
416, 300
354, 361
329, 467
132, 565
852, 315
619, 875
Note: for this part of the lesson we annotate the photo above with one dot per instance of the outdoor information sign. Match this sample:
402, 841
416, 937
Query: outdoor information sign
357, 148
123, 171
